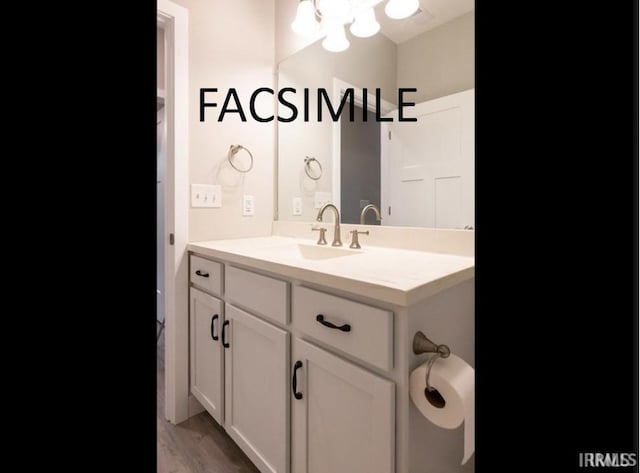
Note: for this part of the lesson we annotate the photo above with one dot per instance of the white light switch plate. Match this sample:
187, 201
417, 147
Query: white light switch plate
248, 205
297, 206
203, 195
322, 198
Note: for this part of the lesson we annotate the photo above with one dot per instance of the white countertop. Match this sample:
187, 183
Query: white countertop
398, 276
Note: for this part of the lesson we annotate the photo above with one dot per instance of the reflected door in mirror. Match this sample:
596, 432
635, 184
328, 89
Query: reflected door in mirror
428, 166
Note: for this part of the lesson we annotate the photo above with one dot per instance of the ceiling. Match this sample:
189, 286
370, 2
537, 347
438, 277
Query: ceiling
432, 13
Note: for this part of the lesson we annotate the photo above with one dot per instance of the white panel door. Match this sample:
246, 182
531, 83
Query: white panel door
207, 368
343, 419
257, 389
428, 165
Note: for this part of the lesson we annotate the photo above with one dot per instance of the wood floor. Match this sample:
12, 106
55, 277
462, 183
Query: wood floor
199, 444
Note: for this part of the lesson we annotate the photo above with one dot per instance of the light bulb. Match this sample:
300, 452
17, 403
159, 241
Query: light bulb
399, 9
336, 40
365, 24
305, 22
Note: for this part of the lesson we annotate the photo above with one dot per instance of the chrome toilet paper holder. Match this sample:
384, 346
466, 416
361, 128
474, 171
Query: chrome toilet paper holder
421, 344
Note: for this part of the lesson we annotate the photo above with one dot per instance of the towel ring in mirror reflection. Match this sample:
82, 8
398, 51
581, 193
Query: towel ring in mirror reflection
233, 150
307, 168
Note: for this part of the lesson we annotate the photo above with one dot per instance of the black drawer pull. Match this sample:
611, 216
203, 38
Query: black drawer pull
213, 327
224, 324
294, 380
344, 328
200, 273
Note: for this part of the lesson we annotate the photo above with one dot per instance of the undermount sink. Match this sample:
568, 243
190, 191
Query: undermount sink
323, 252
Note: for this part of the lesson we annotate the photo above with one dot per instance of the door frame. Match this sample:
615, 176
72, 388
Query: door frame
175, 20
339, 89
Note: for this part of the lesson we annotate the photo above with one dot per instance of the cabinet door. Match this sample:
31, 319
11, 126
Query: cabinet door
257, 389
345, 420
207, 368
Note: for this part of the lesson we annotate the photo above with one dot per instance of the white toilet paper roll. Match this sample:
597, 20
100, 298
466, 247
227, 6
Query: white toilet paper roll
454, 380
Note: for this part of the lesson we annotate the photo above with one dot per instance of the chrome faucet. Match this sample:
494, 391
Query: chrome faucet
366, 209
336, 222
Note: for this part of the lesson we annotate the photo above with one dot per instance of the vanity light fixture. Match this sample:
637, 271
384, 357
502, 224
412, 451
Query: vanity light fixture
328, 18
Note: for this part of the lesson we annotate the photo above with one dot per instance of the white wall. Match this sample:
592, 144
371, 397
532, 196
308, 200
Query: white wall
231, 44
440, 61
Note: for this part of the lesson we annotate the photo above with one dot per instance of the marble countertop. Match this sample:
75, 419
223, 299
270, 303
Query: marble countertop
398, 276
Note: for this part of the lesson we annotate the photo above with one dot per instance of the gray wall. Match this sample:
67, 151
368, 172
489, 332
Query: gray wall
359, 165
439, 62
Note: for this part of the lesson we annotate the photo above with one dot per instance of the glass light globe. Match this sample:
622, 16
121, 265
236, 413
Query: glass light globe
365, 24
336, 41
399, 9
305, 22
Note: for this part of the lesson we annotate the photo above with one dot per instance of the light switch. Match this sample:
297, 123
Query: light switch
297, 206
322, 198
206, 195
247, 205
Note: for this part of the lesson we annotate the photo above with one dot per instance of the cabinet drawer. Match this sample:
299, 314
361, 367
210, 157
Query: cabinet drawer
261, 294
206, 274
370, 330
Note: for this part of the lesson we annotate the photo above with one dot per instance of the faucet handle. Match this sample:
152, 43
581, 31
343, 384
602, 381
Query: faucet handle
321, 238
354, 238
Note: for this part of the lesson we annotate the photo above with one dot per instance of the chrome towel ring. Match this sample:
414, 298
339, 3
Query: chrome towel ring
307, 168
233, 150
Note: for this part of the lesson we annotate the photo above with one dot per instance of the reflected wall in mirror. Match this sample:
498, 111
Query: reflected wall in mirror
418, 174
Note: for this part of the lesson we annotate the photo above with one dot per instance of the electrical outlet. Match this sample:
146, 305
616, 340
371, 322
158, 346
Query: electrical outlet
322, 198
206, 195
297, 206
248, 205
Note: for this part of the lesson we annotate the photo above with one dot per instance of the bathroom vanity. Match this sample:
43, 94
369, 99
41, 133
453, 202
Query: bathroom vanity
303, 352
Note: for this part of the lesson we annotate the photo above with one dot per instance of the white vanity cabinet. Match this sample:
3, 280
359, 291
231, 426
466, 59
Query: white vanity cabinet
311, 378
342, 415
339, 418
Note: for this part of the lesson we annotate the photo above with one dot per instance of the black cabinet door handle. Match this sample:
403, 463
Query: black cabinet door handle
200, 273
224, 324
294, 380
344, 328
213, 327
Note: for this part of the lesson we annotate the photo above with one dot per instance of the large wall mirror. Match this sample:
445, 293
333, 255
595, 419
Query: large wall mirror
418, 174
